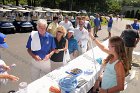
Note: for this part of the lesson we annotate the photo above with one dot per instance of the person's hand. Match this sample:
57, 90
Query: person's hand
102, 90
12, 77
6, 67
91, 35
37, 58
56, 51
47, 57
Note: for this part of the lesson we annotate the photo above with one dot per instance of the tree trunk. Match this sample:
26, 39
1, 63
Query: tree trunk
3, 2
29, 2
17, 2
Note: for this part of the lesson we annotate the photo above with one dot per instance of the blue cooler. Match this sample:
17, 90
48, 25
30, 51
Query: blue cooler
68, 84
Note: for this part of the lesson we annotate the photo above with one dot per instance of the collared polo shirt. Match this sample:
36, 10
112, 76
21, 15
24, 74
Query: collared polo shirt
97, 22
47, 45
110, 22
135, 26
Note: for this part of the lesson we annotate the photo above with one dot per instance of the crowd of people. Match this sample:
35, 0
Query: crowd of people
48, 45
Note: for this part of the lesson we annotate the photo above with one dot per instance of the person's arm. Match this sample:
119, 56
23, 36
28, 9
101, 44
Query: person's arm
10, 77
48, 56
66, 46
4, 66
99, 44
137, 40
36, 57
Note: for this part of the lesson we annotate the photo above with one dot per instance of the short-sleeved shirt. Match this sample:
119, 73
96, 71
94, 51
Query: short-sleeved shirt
135, 26
53, 27
110, 22
47, 45
129, 36
58, 57
72, 45
67, 25
97, 22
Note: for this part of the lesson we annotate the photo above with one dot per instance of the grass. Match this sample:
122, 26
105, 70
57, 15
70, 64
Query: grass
131, 19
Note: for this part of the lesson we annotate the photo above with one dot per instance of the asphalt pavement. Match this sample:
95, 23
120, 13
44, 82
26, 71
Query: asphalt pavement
17, 53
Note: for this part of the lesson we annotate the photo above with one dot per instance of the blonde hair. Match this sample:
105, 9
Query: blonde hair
128, 26
62, 29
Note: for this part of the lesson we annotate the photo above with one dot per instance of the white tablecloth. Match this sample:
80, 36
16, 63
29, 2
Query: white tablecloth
83, 62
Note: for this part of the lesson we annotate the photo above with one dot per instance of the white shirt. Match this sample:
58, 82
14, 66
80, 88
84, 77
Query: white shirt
82, 36
67, 25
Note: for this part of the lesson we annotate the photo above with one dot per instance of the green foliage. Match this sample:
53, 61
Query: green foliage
114, 6
23, 2
131, 2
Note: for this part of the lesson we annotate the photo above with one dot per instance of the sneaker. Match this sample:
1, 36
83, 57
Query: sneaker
95, 35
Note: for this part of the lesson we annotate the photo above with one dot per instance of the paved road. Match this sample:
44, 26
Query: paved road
16, 53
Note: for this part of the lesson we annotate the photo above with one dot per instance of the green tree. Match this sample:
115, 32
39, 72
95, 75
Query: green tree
114, 6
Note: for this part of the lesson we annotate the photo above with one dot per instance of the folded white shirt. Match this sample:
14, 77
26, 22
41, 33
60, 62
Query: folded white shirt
35, 43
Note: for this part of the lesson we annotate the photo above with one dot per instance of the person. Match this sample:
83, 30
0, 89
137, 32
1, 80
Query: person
40, 47
82, 37
97, 24
110, 22
61, 46
117, 17
77, 21
135, 25
52, 26
91, 21
72, 44
66, 23
86, 23
3, 67
112, 80
131, 38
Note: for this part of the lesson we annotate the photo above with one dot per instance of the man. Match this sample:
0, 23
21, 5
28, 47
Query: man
3, 67
86, 23
66, 23
52, 26
97, 24
40, 47
131, 38
135, 25
82, 37
110, 22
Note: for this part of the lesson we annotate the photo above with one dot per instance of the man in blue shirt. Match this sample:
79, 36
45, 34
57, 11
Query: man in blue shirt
40, 47
97, 24
110, 22
135, 25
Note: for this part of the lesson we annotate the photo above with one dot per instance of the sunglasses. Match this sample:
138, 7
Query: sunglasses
59, 32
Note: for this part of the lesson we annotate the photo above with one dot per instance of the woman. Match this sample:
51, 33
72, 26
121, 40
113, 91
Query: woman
72, 45
116, 66
61, 46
